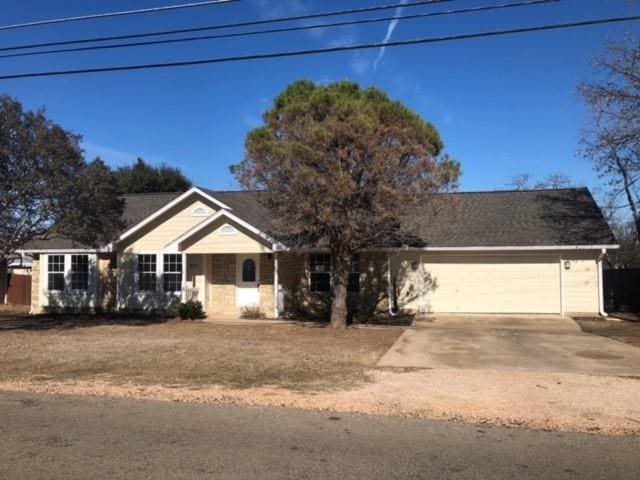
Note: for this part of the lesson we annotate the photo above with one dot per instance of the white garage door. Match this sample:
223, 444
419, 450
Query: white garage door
488, 284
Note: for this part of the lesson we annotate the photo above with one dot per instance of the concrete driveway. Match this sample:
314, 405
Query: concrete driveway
510, 343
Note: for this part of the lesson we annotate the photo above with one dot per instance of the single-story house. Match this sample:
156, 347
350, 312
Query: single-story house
533, 251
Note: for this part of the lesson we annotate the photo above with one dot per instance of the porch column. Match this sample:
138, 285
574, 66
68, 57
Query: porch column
276, 312
184, 277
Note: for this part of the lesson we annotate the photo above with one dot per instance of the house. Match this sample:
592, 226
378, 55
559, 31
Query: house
535, 251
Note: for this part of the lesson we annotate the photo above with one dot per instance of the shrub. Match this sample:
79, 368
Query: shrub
191, 310
252, 313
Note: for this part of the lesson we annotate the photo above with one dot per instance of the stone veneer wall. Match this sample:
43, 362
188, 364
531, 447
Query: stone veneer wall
267, 302
107, 281
222, 289
300, 302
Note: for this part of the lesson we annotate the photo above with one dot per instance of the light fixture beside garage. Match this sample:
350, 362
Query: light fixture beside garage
567, 265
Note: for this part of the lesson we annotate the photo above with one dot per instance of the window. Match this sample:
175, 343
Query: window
320, 272
354, 275
55, 265
172, 276
147, 273
79, 272
248, 270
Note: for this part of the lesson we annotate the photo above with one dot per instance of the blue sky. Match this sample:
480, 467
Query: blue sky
503, 105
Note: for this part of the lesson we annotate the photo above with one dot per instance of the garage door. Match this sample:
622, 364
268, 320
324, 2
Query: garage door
489, 284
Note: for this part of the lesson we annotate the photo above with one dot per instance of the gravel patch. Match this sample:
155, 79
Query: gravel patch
557, 402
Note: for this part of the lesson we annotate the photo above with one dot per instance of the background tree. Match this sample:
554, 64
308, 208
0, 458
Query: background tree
612, 140
144, 178
339, 165
46, 187
523, 181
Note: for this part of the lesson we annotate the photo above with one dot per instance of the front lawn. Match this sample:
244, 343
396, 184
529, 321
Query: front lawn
160, 351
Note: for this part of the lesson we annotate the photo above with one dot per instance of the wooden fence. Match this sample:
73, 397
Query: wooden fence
19, 289
622, 290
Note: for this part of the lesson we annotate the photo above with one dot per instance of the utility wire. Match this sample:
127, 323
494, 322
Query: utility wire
295, 53
230, 25
287, 29
114, 14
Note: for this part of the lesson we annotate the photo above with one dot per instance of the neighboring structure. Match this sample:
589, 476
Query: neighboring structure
21, 265
537, 251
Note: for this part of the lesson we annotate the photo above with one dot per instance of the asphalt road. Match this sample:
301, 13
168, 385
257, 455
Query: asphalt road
73, 437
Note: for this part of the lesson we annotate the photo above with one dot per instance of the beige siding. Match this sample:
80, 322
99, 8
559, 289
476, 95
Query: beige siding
162, 231
580, 282
213, 240
507, 283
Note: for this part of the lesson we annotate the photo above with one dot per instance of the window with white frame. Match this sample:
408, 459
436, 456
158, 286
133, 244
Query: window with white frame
354, 275
320, 272
147, 273
79, 272
172, 272
55, 270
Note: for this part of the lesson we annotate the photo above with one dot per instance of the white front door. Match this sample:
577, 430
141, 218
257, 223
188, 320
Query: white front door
247, 281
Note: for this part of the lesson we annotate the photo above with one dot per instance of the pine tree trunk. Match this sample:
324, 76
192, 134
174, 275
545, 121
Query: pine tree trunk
341, 264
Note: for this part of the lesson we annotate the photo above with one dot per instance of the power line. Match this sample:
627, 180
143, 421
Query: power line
114, 14
295, 53
248, 23
287, 29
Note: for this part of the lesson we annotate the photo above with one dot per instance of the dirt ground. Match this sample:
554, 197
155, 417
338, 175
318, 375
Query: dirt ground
623, 331
159, 351
294, 366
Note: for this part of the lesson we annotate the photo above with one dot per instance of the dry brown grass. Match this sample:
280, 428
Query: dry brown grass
622, 331
151, 351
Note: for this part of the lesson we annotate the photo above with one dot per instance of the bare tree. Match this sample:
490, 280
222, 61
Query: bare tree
612, 140
522, 181
46, 186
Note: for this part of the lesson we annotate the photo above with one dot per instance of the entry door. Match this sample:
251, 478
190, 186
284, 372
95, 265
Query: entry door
247, 281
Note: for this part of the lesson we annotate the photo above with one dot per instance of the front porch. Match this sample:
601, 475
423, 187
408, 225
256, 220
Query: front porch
231, 285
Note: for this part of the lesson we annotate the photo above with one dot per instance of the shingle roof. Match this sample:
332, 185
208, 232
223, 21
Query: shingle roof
513, 218
466, 219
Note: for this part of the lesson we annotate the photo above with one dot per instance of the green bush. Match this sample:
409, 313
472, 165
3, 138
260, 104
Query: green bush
191, 310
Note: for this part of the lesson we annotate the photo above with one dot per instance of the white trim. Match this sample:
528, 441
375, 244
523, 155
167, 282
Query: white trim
184, 277
170, 205
175, 244
491, 249
57, 251
276, 287
560, 262
601, 285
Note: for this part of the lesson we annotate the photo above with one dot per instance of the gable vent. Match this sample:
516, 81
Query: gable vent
228, 230
199, 212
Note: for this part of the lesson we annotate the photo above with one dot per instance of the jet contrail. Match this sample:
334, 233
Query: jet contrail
392, 26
